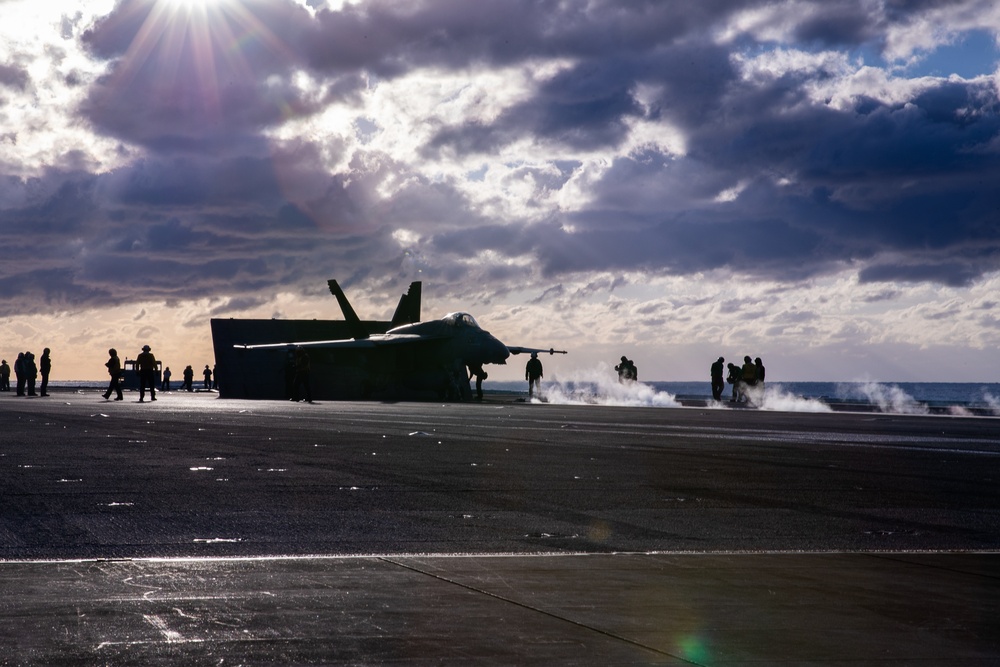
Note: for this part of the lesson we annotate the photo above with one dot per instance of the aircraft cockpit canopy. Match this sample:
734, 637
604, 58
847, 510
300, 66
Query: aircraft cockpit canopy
461, 320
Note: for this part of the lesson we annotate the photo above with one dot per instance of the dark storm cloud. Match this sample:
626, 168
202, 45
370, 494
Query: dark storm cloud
238, 305
388, 38
183, 181
551, 294
683, 247
883, 295
903, 11
14, 77
63, 201
192, 227
88, 243
835, 24
953, 274
45, 289
187, 118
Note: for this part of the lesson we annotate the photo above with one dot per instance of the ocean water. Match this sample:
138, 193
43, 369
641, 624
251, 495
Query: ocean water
933, 393
891, 397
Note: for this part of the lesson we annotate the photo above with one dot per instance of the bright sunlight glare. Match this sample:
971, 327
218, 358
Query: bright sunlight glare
192, 4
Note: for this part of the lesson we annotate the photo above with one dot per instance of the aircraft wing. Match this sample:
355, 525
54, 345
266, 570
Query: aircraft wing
528, 350
373, 341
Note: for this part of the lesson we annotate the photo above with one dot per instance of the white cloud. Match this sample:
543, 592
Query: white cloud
924, 31
39, 132
772, 22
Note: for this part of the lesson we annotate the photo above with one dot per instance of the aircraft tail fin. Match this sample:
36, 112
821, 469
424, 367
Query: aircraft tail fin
408, 309
357, 329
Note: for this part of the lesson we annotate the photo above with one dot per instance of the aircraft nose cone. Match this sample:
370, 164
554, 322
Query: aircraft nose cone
498, 352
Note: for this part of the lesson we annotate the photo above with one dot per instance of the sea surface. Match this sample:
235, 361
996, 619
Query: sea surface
895, 397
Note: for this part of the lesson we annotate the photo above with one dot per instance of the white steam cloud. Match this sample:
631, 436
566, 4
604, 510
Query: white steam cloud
993, 402
890, 398
600, 386
777, 399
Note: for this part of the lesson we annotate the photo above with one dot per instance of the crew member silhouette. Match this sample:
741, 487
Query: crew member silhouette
208, 377
733, 378
4, 376
533, 374
188, 378
114, 365
147, 373
44, 367
748, 375
31, 372
477, 371
19, 374
165, 382
718, 383
301, 375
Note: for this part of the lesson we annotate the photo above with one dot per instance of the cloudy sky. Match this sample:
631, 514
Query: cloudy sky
815, 183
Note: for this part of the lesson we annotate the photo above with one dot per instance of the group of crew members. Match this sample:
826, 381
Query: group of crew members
146, 366
747, 380
146, 363
533, 373
627, 371
26, 373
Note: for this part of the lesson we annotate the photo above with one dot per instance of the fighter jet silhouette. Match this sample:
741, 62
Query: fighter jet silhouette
431, 355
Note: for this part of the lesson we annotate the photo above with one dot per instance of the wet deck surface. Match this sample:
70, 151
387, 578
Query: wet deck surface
203, 531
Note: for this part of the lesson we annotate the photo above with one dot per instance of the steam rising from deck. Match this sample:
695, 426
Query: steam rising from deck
777, 399
600, 386
890, 398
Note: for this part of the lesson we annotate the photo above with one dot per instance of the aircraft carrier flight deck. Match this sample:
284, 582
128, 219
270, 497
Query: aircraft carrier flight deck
198, 530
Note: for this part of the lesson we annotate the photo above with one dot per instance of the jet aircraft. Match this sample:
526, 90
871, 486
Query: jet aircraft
414, 356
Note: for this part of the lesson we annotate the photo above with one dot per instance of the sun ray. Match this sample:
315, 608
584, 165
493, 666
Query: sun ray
205, 63
186, 51
193, 4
